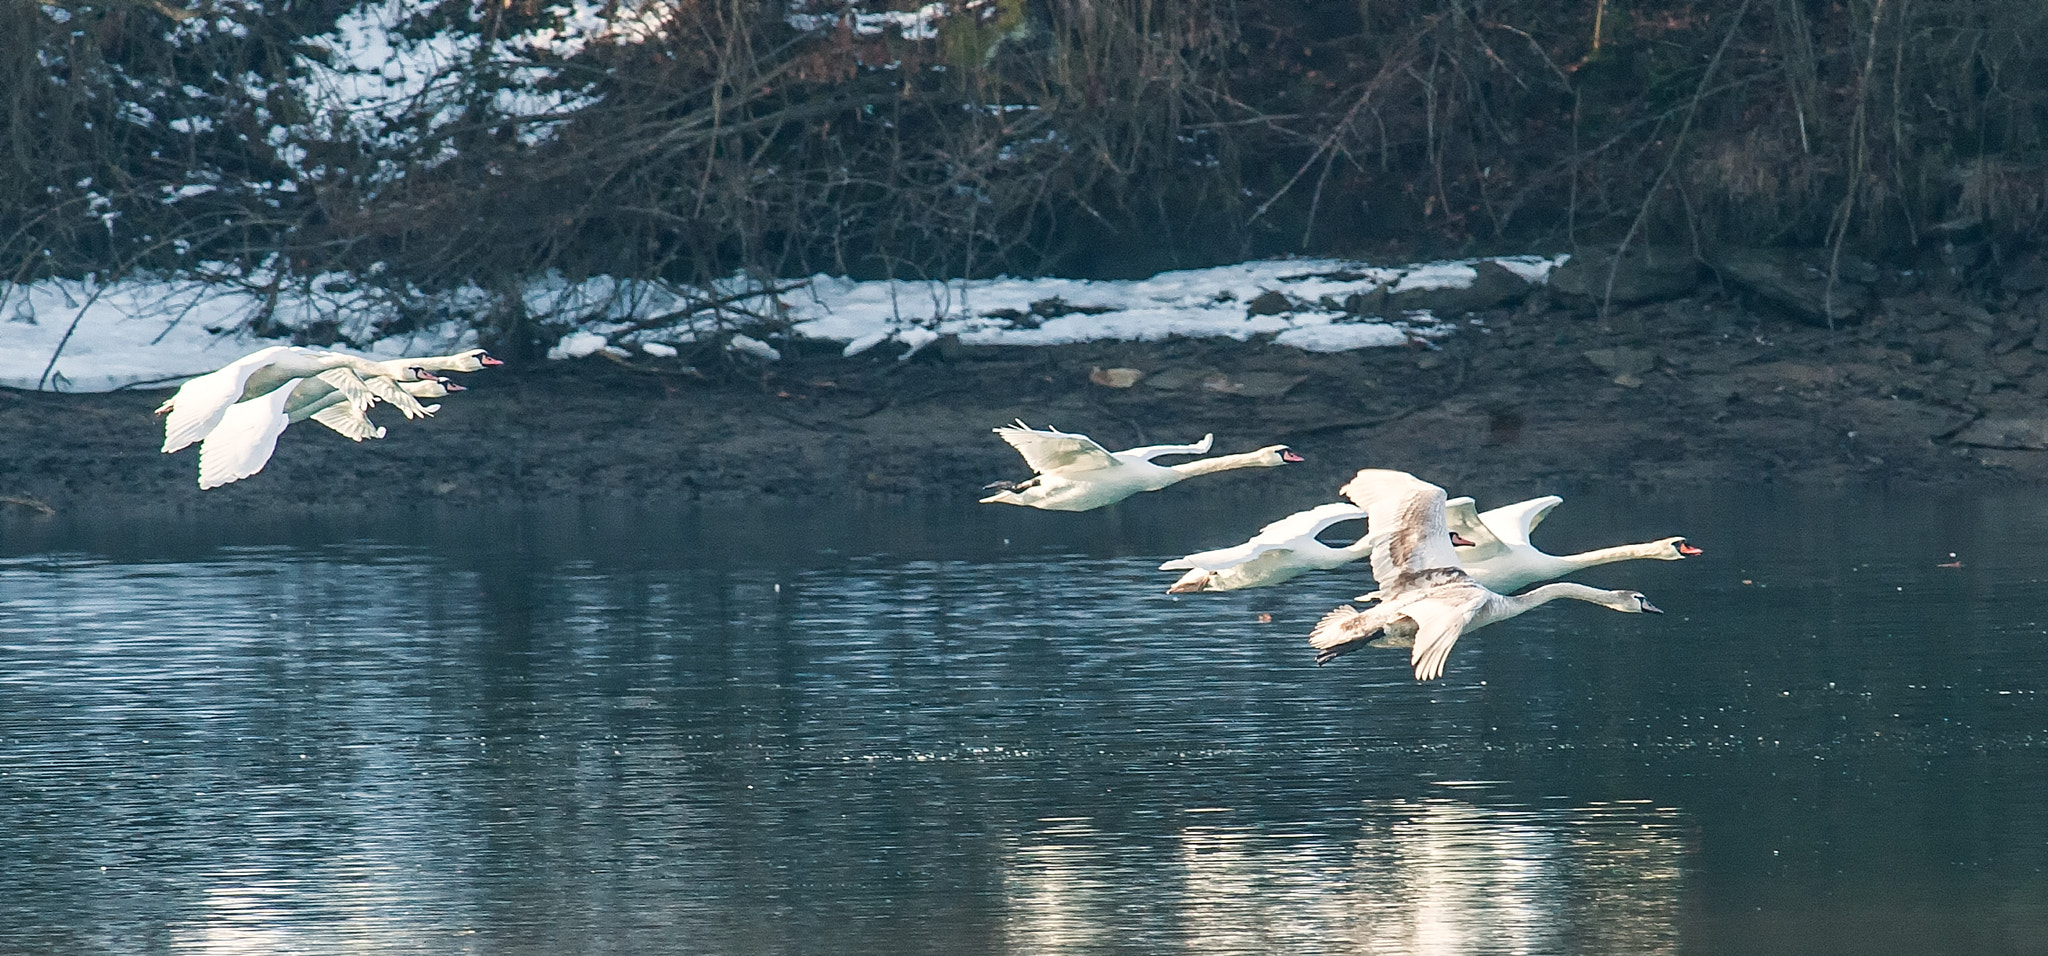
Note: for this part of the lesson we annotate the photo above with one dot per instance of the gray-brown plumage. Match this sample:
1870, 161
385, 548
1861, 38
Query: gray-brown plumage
1426, 599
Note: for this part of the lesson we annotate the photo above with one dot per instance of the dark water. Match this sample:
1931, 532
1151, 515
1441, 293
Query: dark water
988, 731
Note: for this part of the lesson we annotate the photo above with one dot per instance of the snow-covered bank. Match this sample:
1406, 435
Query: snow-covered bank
139, 331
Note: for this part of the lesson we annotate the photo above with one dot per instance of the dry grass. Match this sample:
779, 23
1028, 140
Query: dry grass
1102, 137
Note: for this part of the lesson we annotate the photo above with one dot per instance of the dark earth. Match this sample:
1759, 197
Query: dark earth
1921, 390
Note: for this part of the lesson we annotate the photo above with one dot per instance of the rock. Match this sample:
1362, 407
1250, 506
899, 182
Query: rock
1244, 384
1622, 362
1969, 312
1179, 377
1493, 286
1795, 280
1644, 274
1115, 377
2027, 275
2029, 433
1253, 384
1269, 303
1372, 302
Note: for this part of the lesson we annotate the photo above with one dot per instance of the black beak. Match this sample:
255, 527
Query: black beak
1649, 608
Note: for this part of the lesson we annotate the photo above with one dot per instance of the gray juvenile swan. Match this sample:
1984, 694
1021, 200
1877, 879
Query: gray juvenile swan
1427, 601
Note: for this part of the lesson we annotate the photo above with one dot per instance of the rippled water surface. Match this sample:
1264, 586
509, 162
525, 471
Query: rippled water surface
974, 731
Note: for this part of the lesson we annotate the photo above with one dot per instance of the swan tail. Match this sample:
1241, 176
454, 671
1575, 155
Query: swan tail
1339, 633
1194, 581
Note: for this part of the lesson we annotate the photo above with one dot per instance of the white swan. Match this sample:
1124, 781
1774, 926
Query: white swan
1427, 600
197, 406
331, 408
246, 436
1076, 474
1502, 559
1282, 550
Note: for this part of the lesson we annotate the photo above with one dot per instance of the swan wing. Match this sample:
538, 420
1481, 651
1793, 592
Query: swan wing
1513, 523
1440, 620
1462, 516
344, 381
1287, 534
241, 444
1221, 558
1303, 525
399, 398
1409, 532
197, 406
1051, 450
348, 421
1149, 452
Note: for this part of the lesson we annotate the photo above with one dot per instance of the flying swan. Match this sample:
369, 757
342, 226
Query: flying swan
247, 434
1076, 474
1502, 559
1285, 549
1426, 600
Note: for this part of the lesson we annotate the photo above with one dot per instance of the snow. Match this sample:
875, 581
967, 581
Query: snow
151, 330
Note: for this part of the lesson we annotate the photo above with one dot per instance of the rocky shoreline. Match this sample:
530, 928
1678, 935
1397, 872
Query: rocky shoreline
1729, 384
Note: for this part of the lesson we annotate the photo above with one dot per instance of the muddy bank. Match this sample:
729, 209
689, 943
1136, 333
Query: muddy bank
1694, 392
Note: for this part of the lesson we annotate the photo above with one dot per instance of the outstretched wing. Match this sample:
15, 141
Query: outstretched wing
1439, 621
1149, 452
196, 409
1221, 558
399, 398
1513, 523
348, 421
1410, 536
1288, 533
241, 444
1462, 516
1050, 450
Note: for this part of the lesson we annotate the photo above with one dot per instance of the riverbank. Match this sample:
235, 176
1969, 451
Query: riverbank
1693, 392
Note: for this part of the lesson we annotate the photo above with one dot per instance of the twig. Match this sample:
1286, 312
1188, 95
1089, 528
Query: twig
29, 502
1840, 227
1670, 160
80, 317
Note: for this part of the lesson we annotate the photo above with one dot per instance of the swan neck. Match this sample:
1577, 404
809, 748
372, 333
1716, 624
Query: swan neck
1204, 466
1620, 552
1557, 591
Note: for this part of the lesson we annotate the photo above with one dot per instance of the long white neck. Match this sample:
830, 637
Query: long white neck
1203, 466
1511, 605
1651, 550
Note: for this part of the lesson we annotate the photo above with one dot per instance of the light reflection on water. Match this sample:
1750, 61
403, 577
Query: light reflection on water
964, 732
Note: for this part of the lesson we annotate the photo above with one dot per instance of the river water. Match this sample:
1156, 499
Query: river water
967, 730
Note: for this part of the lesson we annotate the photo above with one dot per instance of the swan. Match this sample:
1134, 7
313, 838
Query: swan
195, 409
1426, 600
242, 443
1502, 559
1282, 550
1076, 474
331, 408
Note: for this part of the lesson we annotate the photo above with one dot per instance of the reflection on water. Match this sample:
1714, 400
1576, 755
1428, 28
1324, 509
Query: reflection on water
1431, 875
967, 732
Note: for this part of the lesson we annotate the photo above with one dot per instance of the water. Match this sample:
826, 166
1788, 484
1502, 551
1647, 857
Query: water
961, 731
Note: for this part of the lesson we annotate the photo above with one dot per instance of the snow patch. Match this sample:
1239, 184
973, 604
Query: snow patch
144, 330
